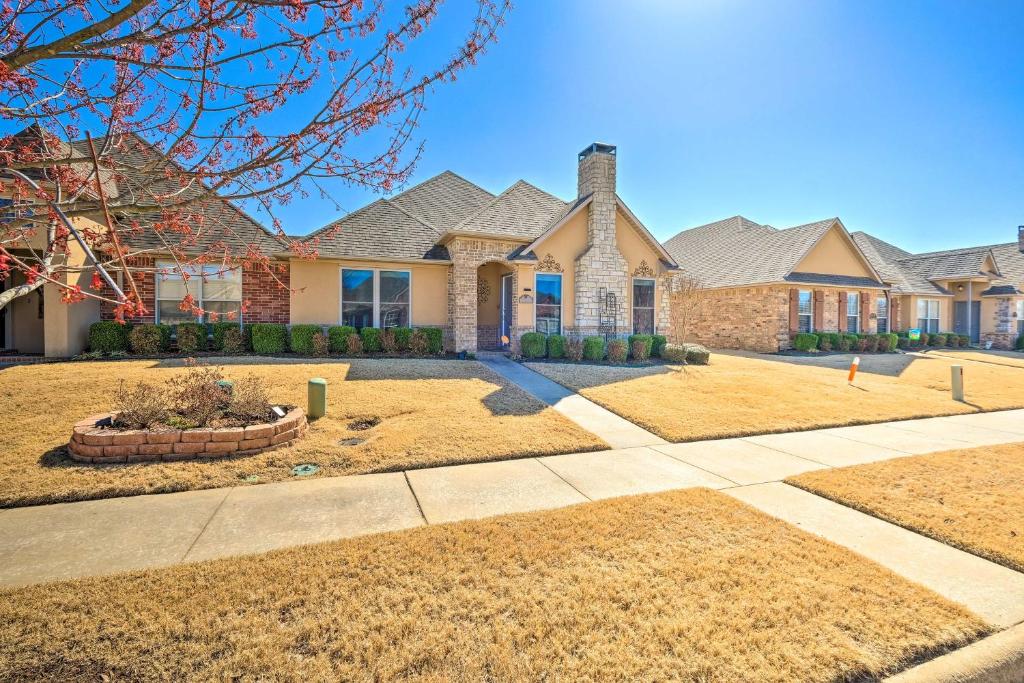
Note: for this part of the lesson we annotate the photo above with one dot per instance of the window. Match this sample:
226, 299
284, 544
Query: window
376, 298
883, 314
928, 315
643, 306
216, 291
1020, 318
853, 312
805, 311
549, 303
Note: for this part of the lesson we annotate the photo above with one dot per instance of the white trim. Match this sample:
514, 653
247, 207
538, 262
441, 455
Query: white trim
561, 300
810, 325
860, 323
502, 279
376, 292
632, 304
199, 297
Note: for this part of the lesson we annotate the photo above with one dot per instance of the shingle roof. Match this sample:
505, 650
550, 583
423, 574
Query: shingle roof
953, 263
379, 230
521, 212
834, 280
444, 200
886, 259
736, 251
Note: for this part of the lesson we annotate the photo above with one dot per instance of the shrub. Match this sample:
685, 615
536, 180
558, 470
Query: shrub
321, 345
870, 342
533, 345
337, 337
574, 349
402, 337
191, 337
108, 336
196, 398
249, 400
697, 354
903, 342
593, 348
302, 338
139, 406
648, 342
269, 338
435, 340
618, 351
939, 339
658, 342
805, 341
925, 338
233, 340
371, 339
639, 349
1020, 343
890, 340
419, 343
556, 346
220, 329
844, 343
964, 340
354, 344
824, 342
674, 353
832, 340
149, 339
388, 343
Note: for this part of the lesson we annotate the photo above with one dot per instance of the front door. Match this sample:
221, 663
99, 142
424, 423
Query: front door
960, 319
506, 308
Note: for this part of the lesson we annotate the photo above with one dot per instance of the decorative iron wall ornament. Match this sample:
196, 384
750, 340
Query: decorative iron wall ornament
549, 265
643, 270
483, 291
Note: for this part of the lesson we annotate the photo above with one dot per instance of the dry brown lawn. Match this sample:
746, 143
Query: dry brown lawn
1008, 358
972, 499
740, 395
687, 585
432, 412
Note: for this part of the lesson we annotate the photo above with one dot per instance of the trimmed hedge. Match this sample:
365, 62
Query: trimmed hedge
639, 350
805, 342
109, 336
674, 353
218, 329
556, 346
337, 337
269, 338
235, 340
435, 340
191, 337
658, 342
533, 345
940, 339
302, 338
693, 354
618, 351
593, 348
149, 339
402, 337
887, 342
371, 340
648, 341
965, 340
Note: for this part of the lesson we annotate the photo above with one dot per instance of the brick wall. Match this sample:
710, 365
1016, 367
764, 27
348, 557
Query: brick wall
145, 282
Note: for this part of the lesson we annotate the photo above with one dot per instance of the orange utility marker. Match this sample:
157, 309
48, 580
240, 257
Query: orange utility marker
853, 369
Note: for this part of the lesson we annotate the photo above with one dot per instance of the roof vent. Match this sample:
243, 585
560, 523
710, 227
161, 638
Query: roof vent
597, 148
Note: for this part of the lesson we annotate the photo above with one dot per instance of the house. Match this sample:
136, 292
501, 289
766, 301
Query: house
445, 253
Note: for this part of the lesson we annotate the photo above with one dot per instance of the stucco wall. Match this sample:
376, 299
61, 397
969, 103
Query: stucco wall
834, 255
563, 246
316, 295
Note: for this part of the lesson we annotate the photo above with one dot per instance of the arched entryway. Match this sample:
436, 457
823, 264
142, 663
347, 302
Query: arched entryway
494, 306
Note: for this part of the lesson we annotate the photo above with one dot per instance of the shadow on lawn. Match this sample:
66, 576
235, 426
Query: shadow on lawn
886, 364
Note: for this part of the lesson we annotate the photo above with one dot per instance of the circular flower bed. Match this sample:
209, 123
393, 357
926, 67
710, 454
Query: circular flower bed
94, 440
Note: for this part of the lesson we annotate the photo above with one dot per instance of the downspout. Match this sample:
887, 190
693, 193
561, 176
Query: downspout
970, 307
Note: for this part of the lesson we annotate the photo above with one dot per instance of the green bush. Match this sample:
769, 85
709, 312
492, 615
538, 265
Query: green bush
220, 328
150, 339
674, 353
639, 350
830, 339
435, 340
618, 351
697, 354
191, 337
593, 348
647, 340
845, 344
402, 337
371, 337
1020, 343
302, 338
887, 342
556, 346
658, 342
938, 339
109, 336
337, 337
533, 345
805, 342
269, 338
870, 342
964, 340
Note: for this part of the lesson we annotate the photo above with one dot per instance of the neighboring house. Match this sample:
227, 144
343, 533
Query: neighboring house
761, 285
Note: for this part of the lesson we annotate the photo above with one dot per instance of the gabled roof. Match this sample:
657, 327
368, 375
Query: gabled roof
444, 200
736, 252
521, 212
952, 263
380, 230
886, 259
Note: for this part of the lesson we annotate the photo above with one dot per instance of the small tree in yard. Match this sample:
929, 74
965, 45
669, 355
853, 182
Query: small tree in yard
687, 303
193, 102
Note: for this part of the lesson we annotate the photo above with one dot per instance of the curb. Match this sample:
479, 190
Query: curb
996, 659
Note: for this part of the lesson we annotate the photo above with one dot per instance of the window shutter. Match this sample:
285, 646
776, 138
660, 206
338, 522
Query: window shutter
842, 311
865, 311
794, 321
819, 310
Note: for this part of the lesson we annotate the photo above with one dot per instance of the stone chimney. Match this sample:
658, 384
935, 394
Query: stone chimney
1020, 237
601, 279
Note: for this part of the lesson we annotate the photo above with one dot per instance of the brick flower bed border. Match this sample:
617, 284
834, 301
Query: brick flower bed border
93, 444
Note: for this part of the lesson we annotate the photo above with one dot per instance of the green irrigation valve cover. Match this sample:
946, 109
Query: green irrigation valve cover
304, 470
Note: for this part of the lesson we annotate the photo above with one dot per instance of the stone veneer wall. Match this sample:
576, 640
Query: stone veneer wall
1003, 335
468, 254
92, 444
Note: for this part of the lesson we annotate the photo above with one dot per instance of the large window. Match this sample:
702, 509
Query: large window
853, 312
217, 292
928, 315
883, 314
549, 303
1020, 318
805, 311
376, 298
643, 306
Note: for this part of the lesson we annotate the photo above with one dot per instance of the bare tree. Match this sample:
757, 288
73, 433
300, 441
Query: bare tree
687, 304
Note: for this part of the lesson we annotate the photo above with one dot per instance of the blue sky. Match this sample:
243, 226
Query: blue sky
904, 119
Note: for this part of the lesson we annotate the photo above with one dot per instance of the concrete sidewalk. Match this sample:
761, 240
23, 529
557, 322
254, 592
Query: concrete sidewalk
98, 537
